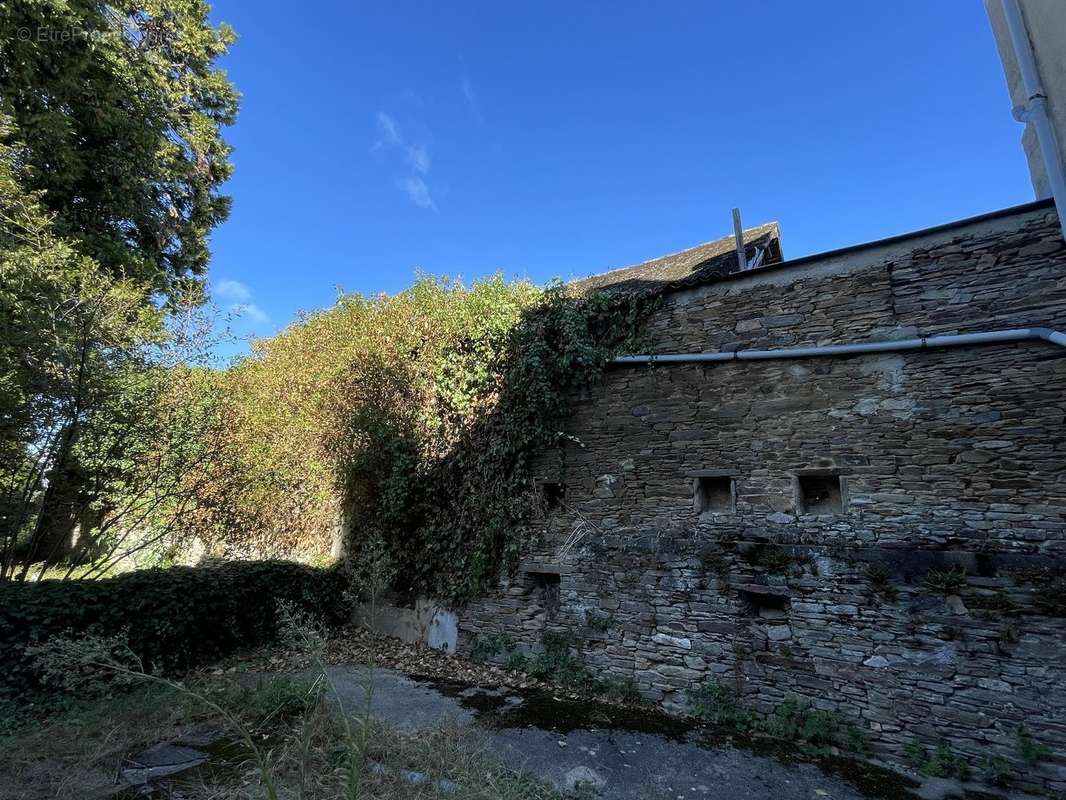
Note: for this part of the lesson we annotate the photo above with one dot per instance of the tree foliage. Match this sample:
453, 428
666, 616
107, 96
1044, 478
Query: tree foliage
118, 110
410, 422
102, 418
111, 157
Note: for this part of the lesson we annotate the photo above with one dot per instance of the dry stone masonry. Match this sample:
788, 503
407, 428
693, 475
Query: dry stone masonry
883, 535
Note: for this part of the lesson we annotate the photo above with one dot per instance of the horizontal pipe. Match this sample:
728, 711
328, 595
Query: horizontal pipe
884, 346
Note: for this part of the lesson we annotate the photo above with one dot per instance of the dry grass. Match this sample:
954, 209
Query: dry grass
76, 752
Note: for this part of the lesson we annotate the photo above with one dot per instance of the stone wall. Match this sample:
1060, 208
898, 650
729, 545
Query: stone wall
702, 538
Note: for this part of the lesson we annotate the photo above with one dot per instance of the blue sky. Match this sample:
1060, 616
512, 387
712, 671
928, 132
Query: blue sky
561, 139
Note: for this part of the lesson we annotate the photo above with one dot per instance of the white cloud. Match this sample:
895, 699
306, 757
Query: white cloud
415, 156
237, 299
229, 289
418, 191
388, 131
418, 156
250, 310
471, 97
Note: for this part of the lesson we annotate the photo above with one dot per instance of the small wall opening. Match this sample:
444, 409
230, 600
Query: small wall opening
766, 604
819, 494
714, 494
547, 589
552, 494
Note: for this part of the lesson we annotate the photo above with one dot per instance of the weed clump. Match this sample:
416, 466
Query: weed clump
1029, 749
995, 770
719, 705
487, 647
942, 762
879, 577
599, 621
951, 580
817, 731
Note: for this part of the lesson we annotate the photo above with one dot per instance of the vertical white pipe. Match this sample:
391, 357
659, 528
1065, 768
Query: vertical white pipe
1036, 105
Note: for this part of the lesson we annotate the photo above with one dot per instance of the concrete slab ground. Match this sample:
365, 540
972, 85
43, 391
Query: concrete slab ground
406, 704
635, 766
623, 755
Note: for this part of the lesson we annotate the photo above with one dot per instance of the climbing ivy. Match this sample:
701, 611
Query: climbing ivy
414, 418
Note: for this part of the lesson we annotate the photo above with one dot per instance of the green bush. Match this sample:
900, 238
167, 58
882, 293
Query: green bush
943, 762
486, 648
718, 704
427, 411
557, 663
796, 720
173, 619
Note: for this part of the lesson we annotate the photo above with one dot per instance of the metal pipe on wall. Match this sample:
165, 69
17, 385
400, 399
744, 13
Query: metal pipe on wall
858, 348
1035, 110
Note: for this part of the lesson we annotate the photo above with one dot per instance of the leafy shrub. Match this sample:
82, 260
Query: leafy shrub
486, 647
719, 705
557, 663
914, 754
417, 416
519, 662
173, 619
794, 719
799, 721
774, 558
715, 563
944, 763
855, 740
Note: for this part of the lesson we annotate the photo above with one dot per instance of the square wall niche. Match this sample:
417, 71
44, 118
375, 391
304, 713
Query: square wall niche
552, 494
765, 604
715, 492
819, 493
547, 586
544, 579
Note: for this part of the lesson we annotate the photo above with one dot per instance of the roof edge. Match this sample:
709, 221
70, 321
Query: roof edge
771, 228
1034, 205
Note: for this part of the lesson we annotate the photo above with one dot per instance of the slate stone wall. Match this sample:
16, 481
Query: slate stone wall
930, 605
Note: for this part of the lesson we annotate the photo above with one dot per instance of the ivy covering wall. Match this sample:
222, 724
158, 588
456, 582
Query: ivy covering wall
408, 423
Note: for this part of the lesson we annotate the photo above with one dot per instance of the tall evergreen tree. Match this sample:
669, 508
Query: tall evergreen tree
118, 109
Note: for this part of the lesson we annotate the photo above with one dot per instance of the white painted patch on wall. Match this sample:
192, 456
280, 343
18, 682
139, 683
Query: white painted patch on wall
425, 623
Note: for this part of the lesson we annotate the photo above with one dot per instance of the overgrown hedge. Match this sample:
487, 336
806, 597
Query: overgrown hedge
417, 418
174, 618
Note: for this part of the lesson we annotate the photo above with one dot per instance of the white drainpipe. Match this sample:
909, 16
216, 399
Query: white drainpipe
1035, 109
887, 346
